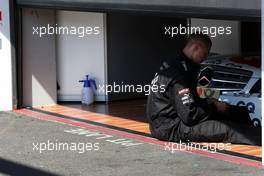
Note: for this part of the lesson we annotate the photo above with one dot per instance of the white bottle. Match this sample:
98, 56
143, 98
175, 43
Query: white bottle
87, 91
87, 95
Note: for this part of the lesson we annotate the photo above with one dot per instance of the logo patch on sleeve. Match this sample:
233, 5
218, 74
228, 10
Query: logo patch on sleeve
184, 91
187, 99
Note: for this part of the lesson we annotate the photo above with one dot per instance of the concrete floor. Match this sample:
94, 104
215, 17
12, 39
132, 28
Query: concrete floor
20, 136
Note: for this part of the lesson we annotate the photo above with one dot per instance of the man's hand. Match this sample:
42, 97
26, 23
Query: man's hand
221, 107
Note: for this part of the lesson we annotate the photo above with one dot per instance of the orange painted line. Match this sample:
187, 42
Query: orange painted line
134, 125
220, 156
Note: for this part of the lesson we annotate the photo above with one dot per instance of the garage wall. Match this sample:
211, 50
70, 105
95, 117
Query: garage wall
229, 9
39, 64
251, 38
136, 48
262, 75
5, 59
224, 44
78, 56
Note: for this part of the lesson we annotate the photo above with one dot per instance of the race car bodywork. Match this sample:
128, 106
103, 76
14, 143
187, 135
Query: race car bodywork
237, 81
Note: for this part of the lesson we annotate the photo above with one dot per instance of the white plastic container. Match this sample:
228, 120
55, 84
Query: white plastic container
87, 95
87, 91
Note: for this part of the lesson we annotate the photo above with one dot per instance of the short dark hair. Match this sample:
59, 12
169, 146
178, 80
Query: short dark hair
199, 37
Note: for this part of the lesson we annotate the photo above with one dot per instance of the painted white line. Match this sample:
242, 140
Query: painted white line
104, 137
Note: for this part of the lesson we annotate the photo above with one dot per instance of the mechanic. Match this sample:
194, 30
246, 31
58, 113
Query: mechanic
179, 114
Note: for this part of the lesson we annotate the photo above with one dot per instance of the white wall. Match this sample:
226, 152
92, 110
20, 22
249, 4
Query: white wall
39, 63
223, 44
78, 56
5, 59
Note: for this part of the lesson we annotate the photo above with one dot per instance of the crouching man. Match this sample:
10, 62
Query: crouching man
179, 114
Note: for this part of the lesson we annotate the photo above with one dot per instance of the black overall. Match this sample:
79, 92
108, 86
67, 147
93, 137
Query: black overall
179, 114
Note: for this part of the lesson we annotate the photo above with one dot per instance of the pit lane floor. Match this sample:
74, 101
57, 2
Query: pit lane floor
21, 138
129, 115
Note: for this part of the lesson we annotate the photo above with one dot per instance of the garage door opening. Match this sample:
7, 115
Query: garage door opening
128, 50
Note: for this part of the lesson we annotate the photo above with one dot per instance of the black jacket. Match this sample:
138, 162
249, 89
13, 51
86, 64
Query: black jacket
179, 103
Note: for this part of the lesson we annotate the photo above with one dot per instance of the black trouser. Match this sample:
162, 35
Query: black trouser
233, 127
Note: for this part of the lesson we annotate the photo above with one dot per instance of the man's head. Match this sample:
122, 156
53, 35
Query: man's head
197, 47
